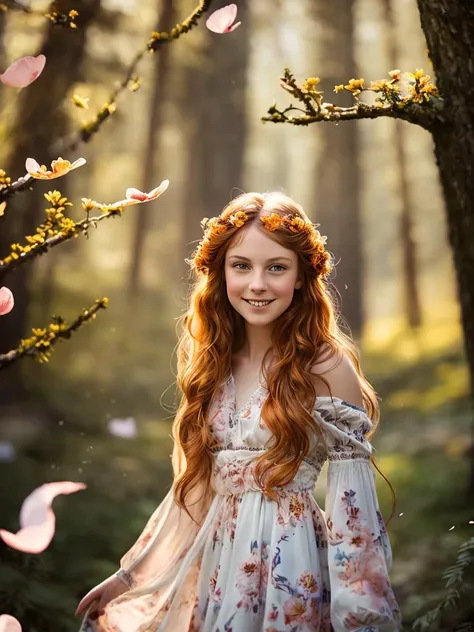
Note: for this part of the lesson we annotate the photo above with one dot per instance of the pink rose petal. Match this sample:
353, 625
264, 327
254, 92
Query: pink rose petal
23, 71
221, 20
37, 519
9, 623
6, 301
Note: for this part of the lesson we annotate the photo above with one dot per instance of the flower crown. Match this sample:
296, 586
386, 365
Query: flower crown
320, 259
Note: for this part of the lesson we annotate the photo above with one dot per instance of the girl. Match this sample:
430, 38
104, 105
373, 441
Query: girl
272, 389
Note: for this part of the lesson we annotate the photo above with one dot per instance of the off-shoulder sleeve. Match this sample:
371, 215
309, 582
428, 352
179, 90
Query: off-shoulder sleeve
359, 552
167, 536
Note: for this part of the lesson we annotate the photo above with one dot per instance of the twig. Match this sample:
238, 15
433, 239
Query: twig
55, 240
157, 40
42, 341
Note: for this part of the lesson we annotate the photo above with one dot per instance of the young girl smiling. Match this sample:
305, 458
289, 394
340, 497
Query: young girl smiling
271, 389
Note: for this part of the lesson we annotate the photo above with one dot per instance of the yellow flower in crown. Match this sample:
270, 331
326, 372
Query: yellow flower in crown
297, 225
238, 219
272, 222
59, 168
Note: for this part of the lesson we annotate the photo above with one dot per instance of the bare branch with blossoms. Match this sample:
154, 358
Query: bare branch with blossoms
58, 19
58, 228
40, 344
130, 80
421, 105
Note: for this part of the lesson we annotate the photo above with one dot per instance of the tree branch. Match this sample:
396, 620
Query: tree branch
422, 106
67, 233
41, 343
156, 42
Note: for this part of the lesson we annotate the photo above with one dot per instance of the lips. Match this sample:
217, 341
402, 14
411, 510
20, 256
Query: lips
259, 300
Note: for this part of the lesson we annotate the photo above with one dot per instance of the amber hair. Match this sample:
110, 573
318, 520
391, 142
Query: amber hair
307, 333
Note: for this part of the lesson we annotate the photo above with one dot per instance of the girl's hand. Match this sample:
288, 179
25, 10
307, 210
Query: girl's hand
109, 589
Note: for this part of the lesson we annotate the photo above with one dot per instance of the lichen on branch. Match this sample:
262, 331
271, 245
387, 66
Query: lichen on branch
420, 105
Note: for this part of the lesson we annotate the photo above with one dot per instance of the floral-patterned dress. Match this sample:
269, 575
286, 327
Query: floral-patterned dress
253, 565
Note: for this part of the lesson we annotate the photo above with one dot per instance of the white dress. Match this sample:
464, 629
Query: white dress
254, 566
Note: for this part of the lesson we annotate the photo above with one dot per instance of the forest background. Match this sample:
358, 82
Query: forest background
196, 120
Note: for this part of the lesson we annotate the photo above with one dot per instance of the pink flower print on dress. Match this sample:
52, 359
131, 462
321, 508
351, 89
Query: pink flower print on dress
248, 578
59, 168
23, 71
221, 21
295, 610
37, 519
6, 301
308, 583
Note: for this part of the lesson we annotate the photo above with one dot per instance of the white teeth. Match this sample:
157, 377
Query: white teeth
259, 303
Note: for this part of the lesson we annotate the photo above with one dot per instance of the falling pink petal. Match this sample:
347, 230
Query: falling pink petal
125, 428
135, 196
23, 71
221, 20
37, 519
6, 301
9, 623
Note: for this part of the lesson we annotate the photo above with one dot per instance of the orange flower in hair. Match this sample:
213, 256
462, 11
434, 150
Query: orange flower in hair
238, 219
271, 221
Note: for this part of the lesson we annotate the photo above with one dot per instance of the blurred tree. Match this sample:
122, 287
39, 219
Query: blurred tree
337, 183
161, 76
3, 19
215, 107
40, 119
411, 291
449, 29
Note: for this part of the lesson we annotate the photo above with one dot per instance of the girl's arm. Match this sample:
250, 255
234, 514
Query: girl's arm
359, 552
166, 537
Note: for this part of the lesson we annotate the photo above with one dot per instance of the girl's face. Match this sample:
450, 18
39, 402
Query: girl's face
258, 269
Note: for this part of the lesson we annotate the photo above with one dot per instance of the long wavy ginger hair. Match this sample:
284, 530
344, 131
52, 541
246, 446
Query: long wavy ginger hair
213, 331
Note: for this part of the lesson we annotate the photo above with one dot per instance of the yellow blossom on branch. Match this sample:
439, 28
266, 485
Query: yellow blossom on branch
395, 74
81, 102
59, 168
40, 344
355, 86
132, 196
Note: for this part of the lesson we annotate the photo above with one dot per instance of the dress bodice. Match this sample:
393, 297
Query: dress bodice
240, 434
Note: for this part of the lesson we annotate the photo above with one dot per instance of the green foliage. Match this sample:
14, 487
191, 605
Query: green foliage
458, 583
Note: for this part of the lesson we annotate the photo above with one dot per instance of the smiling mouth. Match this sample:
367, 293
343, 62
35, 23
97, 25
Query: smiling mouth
267, 301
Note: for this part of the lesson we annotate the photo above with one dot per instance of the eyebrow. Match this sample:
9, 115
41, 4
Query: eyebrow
268, 260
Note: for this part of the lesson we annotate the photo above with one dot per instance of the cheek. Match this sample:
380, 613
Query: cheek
234, 286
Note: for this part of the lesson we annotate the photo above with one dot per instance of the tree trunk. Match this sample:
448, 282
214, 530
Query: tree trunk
411, 292
216, 109
338, 177
166, 21
449, 29
40, 120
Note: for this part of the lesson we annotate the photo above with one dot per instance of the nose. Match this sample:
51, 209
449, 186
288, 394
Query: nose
257, 283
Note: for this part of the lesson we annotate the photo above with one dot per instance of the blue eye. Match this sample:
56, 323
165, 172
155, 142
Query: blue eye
275, 265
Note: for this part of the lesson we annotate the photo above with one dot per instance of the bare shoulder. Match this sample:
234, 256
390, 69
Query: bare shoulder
342, 378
